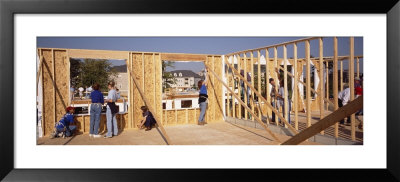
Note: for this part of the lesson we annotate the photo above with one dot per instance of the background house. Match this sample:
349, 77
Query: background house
121, 79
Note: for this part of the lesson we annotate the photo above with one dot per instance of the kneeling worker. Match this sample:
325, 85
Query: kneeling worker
148, 120
64, 126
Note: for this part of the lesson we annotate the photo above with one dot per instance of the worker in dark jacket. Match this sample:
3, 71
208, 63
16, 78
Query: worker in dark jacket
148, 119
64, 126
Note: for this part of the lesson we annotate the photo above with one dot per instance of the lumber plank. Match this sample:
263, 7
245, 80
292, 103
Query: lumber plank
329, 120
335, 81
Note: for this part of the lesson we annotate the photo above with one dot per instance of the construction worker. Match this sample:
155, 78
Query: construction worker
64, 126
281, 99
148, 119
112, 110
343, 98
203, 99
95, 111
273, 94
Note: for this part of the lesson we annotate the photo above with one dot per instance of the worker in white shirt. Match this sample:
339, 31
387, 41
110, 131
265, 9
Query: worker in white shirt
81, 89
281, 99
343, 99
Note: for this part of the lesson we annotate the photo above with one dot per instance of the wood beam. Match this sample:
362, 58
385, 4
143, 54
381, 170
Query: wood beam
335, 81
267, 78
239, 88
308, 84
351, 77
245, 79
321, 76
96, 54
252, 82
276, 78
259, 79
183, 57
285, 87
329, 120
295, 89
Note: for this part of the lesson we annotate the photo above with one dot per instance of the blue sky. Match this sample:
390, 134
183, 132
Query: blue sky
198, 45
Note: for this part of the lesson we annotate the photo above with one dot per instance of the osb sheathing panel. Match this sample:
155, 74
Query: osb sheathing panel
218, 87
191, 116
48, 97
210, 112
158, 86
171, 117
181, 116
137, 72
62, 82
147, 70
83, 123
149, 81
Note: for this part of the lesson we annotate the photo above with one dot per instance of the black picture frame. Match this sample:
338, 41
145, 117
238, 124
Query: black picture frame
9, 8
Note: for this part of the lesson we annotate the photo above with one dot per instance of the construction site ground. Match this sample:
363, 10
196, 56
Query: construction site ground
218, 133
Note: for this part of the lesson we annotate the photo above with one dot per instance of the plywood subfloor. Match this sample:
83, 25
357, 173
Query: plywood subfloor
219, 133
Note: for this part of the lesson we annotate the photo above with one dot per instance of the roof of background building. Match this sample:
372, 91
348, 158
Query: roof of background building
185, 73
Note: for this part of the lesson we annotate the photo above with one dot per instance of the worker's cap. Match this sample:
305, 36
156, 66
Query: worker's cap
345, 85
69, 108
358, 79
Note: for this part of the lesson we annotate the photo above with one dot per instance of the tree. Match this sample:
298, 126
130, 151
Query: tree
168, 78
75, 70
90, 71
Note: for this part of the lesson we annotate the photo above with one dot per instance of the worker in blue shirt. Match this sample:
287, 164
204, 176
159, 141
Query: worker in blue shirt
203, 99
64, 126
95, 110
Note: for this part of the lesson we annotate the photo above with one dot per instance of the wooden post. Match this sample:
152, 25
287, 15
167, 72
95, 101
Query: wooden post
295, 89
187, 115
351, 77
252, 82
308, 89
239, 88
285, 87
335, 81
244, 105
358, 67
161, 88
321, 76
267, 96
259, 81
230, 95
176, 116
276, 80
54, 84
226, 94
133, 103
351, 107
327, 82
154, 85
245, 87
341, 75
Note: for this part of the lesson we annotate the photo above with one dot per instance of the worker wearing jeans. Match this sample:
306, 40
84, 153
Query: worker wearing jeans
95, 110
203, 99
112, 127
